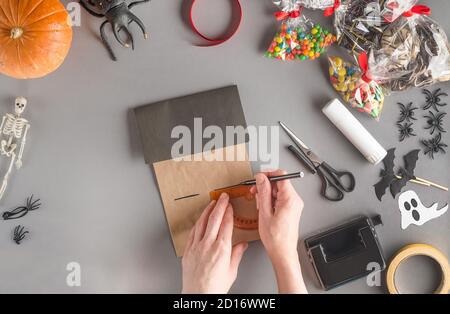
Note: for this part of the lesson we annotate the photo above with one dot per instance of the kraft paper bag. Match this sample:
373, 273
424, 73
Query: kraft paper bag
156, 122
177, 179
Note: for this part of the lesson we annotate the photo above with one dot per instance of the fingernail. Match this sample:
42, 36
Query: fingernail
223, 196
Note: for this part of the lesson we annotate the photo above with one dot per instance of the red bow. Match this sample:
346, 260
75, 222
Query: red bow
281, 15
364, 65
418, 9
329, 11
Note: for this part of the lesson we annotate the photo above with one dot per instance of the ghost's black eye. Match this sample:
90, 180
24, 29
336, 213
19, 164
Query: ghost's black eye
414, 203
407, 206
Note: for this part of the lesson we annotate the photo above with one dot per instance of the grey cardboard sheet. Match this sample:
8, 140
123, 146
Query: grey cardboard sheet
220, 107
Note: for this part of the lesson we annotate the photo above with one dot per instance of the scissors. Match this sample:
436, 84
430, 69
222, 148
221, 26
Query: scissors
333, 181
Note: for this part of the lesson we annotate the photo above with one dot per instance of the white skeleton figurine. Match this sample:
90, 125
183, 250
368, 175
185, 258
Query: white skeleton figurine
13, 132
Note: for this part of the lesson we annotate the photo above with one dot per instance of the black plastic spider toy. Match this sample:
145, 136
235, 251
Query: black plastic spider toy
405, 130
21, 211
19, 234
118, 14
434, 146
433, 99
434, 122
406, 112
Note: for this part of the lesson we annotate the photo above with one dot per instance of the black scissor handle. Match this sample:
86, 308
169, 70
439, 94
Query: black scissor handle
338, 177
333, 179
330, 190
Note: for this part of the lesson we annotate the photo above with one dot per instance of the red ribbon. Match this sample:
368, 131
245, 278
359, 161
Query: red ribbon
330, 10
364, 65
417, 9
216, 41
281, 15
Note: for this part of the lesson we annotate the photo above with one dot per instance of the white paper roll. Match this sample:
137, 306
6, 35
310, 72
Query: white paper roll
354, 131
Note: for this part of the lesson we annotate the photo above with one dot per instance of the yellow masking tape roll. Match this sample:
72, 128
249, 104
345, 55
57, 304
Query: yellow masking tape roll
414, 250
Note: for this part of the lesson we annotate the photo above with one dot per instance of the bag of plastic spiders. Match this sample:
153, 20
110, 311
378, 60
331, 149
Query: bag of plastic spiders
413, 52
298, 38
359, 23
355, 88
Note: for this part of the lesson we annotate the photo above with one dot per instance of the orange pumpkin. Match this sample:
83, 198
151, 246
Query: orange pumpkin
35, 37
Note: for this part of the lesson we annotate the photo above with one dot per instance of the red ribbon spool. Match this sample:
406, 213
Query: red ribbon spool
215, 41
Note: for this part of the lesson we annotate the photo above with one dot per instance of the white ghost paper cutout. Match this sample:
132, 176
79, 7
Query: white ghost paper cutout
414, 212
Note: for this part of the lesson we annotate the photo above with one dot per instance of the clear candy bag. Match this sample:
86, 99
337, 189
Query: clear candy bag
355, 89
389, 10
317, 4
298, 37
413, 52
359, 23
393, 9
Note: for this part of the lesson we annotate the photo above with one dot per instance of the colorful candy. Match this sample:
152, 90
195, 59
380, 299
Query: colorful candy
365, 96
294, 43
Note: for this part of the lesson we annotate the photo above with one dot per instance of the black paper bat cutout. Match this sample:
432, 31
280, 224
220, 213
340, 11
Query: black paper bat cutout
387, 174
406, 173
388, 177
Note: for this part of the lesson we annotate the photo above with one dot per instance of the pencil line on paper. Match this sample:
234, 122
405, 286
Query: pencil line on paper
188, 196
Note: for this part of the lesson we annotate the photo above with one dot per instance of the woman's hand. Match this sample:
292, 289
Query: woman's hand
280, 208
210, 262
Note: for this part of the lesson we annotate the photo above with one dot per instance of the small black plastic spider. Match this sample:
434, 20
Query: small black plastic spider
19, 234
406, 112
405, 130
434, 146
21, 211
433, 99
434, 122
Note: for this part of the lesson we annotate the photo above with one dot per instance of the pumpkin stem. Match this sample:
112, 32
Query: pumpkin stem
16, 32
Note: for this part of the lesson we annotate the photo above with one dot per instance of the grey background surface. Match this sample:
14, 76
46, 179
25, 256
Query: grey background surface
101, 207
